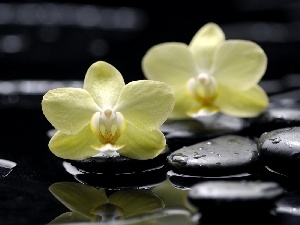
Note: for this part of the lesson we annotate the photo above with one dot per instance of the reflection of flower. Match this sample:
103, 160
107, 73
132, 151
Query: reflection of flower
210, 74
88, 204
107, 116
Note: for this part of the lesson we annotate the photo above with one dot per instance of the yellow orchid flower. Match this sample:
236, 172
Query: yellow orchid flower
107, 117
210, 74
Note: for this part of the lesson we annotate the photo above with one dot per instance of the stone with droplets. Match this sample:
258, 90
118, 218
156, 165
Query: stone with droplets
280, 150
221, 156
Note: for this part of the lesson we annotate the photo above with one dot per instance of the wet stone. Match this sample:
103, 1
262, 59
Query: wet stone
283, 111
119, 164
6, 167
221, 156
280, 150
180, 133
138, 180
234, 196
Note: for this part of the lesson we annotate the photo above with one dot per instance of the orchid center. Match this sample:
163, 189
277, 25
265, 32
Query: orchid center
108, 126
204, 88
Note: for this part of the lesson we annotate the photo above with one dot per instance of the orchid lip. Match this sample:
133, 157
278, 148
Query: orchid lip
107, 126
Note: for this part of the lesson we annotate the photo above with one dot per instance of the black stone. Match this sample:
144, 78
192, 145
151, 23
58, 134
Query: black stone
221, 156
180, 133
119, 164
233, 196
143, 179
280, 150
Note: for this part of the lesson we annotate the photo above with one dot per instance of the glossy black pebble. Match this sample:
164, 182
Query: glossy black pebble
221, 156
119, 164
233, 196
280, 150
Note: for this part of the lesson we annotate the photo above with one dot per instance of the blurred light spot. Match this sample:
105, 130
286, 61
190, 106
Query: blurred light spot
38, 87
61, 14
88, 16
6, 13
7, 87
98, 47
26, 14
11, 44
9, 99
258, 31
125, 18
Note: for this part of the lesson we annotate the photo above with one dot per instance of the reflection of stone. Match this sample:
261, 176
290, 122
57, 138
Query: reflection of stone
227, 202
88, 204
6, 167
182, 181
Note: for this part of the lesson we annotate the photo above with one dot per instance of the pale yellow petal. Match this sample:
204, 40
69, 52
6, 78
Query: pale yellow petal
68, 109
75, 147
71, 217
172, 63
136, 202
184, 103
248, 103
140, 143
104, 82
239, 64
146, 103
204, 44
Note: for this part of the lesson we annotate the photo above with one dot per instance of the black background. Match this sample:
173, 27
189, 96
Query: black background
24, 195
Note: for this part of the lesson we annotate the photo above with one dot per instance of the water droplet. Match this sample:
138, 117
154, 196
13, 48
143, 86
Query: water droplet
219, 155
6, 167
71, 169
218, 163
212, 152
275, 140
200, 148
180, 158
208, 143
199, 156
235, 153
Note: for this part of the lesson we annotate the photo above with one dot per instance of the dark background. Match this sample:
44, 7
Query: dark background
48, 41
61, 40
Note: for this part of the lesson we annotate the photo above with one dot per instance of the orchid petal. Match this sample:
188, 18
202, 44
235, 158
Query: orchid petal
249, 103
183, 104
74, 147
141, 201
171, 63
146, 103
141, 143
205, 43
69, 110
239, 64
70, 218
105, 83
